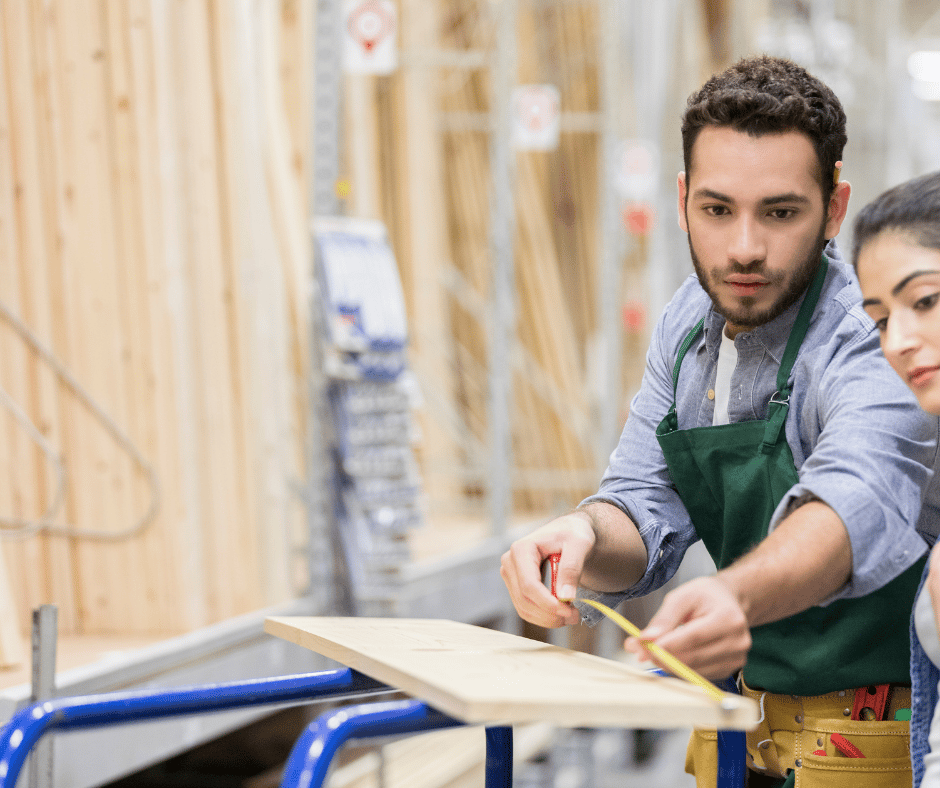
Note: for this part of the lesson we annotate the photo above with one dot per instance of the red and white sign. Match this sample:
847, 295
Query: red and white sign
638, 217
369, 36
634, 316
536, 117
638, 173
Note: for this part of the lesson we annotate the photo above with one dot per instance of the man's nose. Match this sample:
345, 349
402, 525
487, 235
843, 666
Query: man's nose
747, 242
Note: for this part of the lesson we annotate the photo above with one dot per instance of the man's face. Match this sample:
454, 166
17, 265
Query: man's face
753, 210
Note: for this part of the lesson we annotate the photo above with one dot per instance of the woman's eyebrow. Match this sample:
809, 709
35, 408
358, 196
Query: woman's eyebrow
902, 284
906, 280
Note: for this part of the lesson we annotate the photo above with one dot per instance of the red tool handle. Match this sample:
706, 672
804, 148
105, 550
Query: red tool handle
844, 746
553, 560
870, 702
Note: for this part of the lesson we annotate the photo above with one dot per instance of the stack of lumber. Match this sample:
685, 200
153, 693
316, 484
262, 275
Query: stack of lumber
154, 276
555, 234
153, 272
418, 158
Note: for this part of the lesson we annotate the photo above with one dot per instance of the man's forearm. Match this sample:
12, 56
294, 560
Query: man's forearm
618, 559
803, 561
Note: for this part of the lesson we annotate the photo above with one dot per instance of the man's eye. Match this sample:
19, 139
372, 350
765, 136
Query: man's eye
716, 210
783, 213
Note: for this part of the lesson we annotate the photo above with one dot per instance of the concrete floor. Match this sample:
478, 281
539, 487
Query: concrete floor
608, 759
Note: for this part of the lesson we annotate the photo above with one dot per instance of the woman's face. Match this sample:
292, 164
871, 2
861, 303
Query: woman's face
901, 290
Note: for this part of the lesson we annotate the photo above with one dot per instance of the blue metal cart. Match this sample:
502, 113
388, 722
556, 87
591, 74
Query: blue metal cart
309, 762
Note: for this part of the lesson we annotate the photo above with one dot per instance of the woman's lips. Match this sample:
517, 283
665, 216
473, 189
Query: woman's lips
921, 376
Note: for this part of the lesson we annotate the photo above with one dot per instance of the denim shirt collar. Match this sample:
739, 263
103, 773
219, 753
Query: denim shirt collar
771, 337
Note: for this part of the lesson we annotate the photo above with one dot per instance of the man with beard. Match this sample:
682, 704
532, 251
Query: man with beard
769, 425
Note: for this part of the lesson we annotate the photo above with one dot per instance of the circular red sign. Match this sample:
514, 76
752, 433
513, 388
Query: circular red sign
639, 218
369, 23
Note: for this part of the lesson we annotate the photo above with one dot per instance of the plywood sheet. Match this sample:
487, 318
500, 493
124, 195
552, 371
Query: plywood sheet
482, 675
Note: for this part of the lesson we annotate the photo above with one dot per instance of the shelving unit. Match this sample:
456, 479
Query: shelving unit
374, 481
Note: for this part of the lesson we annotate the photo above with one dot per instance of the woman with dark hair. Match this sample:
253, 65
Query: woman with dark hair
897, 258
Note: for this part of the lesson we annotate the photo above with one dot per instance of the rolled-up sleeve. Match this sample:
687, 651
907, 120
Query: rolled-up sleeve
870, 459
859, 439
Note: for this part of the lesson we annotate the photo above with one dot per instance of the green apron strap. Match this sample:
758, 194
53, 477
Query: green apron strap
683, 349
671, 421
780, 401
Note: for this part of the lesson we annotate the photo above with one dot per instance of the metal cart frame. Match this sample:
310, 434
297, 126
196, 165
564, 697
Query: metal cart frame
312, 754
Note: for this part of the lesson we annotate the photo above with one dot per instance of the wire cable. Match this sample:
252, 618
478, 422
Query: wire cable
24, 527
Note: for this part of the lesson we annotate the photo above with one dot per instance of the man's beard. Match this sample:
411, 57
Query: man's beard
747, 317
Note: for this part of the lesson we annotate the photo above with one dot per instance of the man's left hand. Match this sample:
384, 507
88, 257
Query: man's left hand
702, 624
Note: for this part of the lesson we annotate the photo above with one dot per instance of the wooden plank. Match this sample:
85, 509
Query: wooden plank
41, 271
20, 200
422, 242
285, 76
12, 642
167, 225
248, 51
207, 233
362, 151
144, 574
241, 235
102, 469
486, 676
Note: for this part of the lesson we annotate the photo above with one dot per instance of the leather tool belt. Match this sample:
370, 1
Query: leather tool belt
817, 738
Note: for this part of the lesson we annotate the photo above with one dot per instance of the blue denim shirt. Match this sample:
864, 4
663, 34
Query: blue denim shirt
924, 679
860, 441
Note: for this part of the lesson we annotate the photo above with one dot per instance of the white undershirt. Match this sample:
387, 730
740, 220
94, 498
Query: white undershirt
727, 361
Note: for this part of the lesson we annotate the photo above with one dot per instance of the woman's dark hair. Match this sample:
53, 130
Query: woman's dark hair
770, 95
911, 209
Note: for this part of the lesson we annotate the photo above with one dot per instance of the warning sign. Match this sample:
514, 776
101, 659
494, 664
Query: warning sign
369, 36
638, 173
639, 217
536, 117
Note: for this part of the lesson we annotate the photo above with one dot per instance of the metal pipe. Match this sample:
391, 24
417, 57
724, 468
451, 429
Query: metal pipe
310, 759
502, 223
29, 724
44, 637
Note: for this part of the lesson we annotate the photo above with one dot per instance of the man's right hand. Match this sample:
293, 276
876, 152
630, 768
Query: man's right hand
572, 537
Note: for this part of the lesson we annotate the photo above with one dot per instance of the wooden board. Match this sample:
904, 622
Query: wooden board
485, 676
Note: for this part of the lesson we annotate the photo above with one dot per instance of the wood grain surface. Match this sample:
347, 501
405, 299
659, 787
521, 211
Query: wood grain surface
482, 675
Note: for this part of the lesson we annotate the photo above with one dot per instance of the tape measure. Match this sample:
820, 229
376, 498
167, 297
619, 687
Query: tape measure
675, 665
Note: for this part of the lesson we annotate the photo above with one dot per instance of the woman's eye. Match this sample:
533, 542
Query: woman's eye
927, 302
882, 325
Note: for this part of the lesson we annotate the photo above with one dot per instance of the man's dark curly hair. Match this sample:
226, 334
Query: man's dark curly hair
767, 95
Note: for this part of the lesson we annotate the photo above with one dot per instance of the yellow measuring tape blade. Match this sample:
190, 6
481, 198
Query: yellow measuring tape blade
678, 667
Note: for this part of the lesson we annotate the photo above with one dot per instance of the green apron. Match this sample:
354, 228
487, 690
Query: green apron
731, 478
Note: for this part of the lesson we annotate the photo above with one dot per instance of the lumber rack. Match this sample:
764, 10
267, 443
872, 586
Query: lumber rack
309, 763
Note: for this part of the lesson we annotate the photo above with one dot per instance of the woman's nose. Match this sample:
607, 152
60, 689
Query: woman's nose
900, 335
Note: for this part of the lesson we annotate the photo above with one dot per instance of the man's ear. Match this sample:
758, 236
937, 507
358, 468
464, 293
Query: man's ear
682, 197
838, 206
